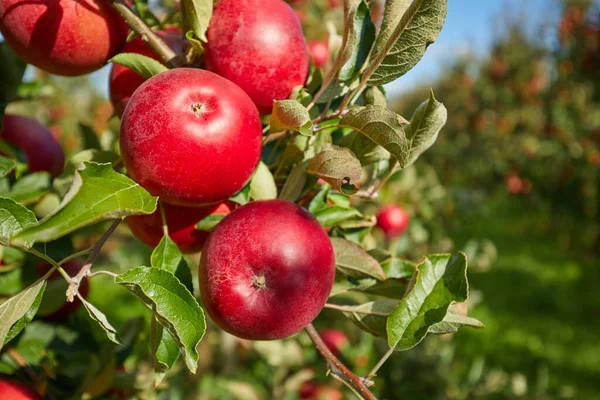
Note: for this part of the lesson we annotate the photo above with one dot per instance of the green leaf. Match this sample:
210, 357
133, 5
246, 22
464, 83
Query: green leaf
100, 318
142, 65
382, 126
319, 202
12, 69
338, 166
371, 317
89, 138
63, 183
13, 219
243, 196
294, 184
19, 310
6, 165
29, 188
392, 14
425, 125
453, 322
262, 185
173, 306
375, 95
335, 215
392, 288
360, 39
165, 351
352, 260
441, 279
145, 13
166, 255
419, 27
290, 115
393, 267
197, 15
98, 193
366, 150
209, 222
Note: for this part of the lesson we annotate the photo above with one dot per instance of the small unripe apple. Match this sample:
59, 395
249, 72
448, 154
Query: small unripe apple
42, 150
63, 37
12, 390
266, 270
393, 220
258, 45
72, 268
335, 340
181, 222
123, 81
190, 137
319, 50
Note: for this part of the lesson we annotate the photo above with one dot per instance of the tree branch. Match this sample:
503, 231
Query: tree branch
337, 368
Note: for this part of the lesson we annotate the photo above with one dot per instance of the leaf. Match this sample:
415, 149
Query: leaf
441, 279
144, 12
19, 310
419, 27
425, 125
294, 184
290, 115
453, 322
319, 202
375, 95
382, 126
29, 188
392, 288
262, 185
367, 151
352, 260
361, 34
13, 219
173, 306
6, 165
209, 222
335, 215
142, 65
243, 196
394, 267
100, 318
392, 14
338, 166
166, 255
165, 351
89, 137
371, 317
12, 69
197, 15
98, 193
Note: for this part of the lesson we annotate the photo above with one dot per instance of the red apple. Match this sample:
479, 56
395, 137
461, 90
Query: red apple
63, 37
190, 137
319, 50
335, 340
72, 268
181, 222
42, 150
393, 220
258, 45
266, 270
123, 81
12, 390
334, 3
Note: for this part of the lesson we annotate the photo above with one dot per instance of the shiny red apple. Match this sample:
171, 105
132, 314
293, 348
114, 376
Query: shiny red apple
12, 390
335, 340
319, 51
393, 220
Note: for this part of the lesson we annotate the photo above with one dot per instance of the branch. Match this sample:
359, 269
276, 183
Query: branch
336, 366
167, 55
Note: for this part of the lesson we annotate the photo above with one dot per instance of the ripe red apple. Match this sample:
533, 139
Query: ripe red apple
393, 220
72, 268
319, 50
63, 37
123, 81
266, 270
335, 340
12, 390
42, 150
190, 137
181, 222
258, 45
334, 3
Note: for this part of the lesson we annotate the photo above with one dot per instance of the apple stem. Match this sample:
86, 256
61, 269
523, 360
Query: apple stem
258, 282
336, 366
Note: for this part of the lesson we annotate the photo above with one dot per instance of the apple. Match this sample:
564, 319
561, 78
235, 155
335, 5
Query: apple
63, 37
335, 340
266, 270
334, 3
311, 391
72, 268
190, 137
12, 390
258, 45
123, 81
319, 50
181, 222
42, 150
393, 220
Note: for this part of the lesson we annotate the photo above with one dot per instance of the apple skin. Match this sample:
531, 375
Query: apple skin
63, 37
42, 150
190, 137
393, 220
12, 390
335, 340
123, 81
258, 45
72, 268
181, 222
266, 270
319, 50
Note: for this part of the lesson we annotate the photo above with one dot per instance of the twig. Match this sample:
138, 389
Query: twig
163, 217
93, 274
137, 25
75, 255
354, 310
380, 362
336, 366
382, 182
274, 136
85, 270
21, 362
